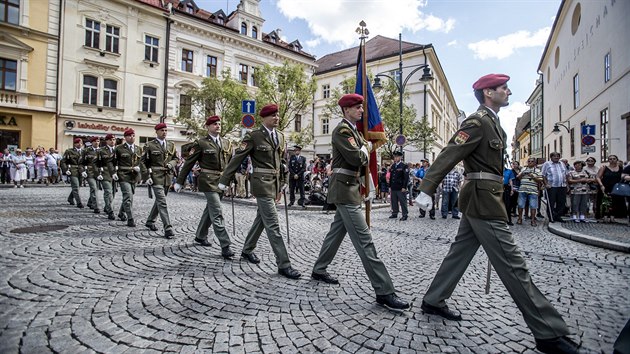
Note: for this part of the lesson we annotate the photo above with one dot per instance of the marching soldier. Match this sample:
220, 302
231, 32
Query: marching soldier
213, 153
297, 167
265, 146
398, 180
350, 155
159, 159
127, 173
89, 160
71, 165
106, 170
480, 142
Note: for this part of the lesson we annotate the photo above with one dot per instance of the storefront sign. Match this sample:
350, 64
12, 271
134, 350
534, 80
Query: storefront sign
4, 120
70, 124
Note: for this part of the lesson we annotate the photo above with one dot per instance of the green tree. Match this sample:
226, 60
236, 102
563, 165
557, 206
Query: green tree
288, 86
424, 137
304, 137
217, 95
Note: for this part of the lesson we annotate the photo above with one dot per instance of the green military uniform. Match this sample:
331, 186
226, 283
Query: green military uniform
71, 161
89, 160
344, 192
126, 158
480, 142
106, 170
212, 158
159, 160
267, 180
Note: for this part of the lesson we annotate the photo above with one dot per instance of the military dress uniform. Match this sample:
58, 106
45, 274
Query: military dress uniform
297, 167
399, 179
267, 179
89, 160
71, 161
106, 170
481, 142
159, 159
213, 156
127, 163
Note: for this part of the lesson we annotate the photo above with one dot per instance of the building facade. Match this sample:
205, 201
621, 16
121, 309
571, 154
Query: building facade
521, 142
29, 44
535, 103
433, 100
586, 80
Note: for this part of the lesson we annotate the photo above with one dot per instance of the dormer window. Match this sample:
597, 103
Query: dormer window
220, 20
244, 28
190, 9
273, 39
254, 32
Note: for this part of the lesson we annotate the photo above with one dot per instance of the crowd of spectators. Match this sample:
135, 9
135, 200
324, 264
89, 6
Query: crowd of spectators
37, 165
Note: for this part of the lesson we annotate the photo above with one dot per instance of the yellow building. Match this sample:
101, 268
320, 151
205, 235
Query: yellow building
29, 42
521, 144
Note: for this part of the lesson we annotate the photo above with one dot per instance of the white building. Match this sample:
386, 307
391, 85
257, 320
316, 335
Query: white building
535, 103
585, 68
435, 99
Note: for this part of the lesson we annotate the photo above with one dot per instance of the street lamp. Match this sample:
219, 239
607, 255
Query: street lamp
556, 129
400, 84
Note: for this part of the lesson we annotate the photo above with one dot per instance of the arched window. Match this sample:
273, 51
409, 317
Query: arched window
244, 28
254, 32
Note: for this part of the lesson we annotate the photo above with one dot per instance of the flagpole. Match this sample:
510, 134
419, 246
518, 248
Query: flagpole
364, 33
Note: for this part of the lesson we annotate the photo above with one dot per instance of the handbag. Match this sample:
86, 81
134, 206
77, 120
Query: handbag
621, 189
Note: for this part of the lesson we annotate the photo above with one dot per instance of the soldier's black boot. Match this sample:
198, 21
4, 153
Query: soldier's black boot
441, 311
226, 252
151, 226
168, 233
111, 216
122, 217
392, 301
131, 223
80, 206
560, 345
97, 211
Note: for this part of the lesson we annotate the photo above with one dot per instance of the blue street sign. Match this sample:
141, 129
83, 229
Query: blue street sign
248, 121
248, 106
588, 130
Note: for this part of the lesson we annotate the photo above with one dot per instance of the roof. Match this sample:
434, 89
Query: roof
522, 122
553, 30
153, 3
376, 48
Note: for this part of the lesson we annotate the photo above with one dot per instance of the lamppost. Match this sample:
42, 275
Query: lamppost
400, 83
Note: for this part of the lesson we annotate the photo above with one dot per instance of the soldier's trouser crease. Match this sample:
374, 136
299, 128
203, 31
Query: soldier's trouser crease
159, 207
213, 215
267, 219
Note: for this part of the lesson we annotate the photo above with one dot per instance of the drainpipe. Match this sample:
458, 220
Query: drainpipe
424, 143
166, 55
57, 94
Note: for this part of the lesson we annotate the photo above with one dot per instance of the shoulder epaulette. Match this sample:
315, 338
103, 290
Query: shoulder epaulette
344, 130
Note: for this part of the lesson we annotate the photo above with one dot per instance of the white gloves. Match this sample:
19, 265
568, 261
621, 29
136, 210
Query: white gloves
369, 145
84, 174
423, 200
115, 176
365, 151
68, 173
150, 181
178, 187
100, 177
222, 186
370, 196
284, 187
168, 165
136, 168
296, 176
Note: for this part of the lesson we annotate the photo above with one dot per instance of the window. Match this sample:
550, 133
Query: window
572, 142
576, 91
185, 105
8, 74
254, 32
220, 20
559, 113
325, 126
149, 99
151, 46
603, 142
298, 123
112, 37
561, 146
190, 9
92, 33
187, 60
109, 93
211, 66
326, 91
253, 76
90, 89
607, 67
10, 11
244, 28
242, 73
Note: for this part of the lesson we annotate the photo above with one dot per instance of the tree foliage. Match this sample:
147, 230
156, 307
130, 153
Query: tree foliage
288, 86
217, 96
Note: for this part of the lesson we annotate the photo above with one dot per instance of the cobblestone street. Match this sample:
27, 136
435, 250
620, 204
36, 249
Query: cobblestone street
100, 286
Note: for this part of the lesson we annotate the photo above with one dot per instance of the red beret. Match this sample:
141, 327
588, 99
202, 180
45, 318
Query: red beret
269, 110
109, 136
490, 81
212, 120
160, 126
351, 99
93, 139
129, 131
77, 140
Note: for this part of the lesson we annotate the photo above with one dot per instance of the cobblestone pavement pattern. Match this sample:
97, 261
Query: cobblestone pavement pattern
99, 286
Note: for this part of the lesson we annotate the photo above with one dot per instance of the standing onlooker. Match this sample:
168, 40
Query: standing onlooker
528, 192
450, 192
509, 175
41, 167
579, 181
20, 174
399, 179
422, 171
383, 185
5, 167
30, 164
607, 176
297, 167
592, 170
625, 177
555, 178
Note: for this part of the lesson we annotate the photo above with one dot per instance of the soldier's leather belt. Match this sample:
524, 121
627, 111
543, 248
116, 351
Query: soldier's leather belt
212, 172
345, 171
484, 176
159, 168
125, 167
270, 171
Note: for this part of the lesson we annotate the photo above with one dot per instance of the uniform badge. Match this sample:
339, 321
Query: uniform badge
352, 142
243, 146
461, 137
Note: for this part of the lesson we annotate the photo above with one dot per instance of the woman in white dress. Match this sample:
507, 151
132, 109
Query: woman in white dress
19, 163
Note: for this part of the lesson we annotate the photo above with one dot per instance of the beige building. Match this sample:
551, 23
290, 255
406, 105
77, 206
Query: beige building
521, 142
29, 42
586, 80
433, 100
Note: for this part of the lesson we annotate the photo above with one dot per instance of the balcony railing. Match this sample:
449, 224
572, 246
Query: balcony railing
8, 98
